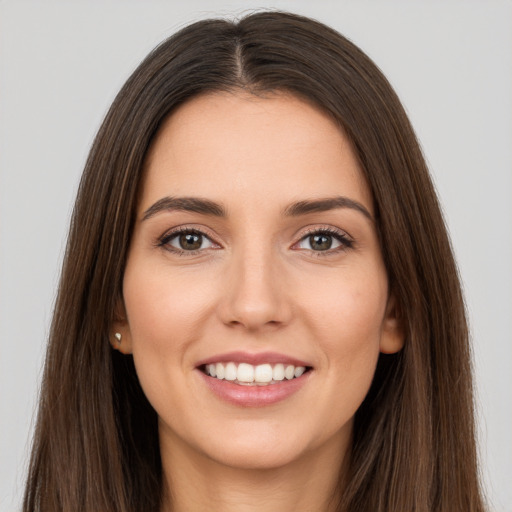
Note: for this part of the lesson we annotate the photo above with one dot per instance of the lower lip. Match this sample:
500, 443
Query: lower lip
254, 396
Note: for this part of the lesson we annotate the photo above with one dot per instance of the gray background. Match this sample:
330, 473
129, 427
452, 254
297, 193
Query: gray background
61, 64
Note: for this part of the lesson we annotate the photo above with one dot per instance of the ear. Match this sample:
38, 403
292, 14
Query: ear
393, 333
120, 335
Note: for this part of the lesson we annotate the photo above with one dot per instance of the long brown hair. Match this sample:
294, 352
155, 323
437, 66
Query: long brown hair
96, 443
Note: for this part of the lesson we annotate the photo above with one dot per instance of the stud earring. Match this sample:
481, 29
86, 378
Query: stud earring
117, 336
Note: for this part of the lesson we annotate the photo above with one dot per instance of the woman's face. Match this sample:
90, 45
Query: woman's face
255, 294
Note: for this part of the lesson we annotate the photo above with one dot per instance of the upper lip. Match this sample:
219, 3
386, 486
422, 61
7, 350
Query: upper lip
253, 358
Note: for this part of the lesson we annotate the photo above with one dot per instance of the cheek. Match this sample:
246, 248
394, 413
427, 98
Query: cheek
161, 305
346, 320
349, 308
165, 315
168, 311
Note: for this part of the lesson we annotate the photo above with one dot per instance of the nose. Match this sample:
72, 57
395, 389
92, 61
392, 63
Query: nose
255, 295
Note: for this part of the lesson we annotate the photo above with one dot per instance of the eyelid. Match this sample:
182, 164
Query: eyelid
163, 240
323, 228
346, 240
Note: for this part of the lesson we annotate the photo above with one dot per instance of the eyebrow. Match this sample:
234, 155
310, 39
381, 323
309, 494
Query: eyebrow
188, 204
208, 207
323, 205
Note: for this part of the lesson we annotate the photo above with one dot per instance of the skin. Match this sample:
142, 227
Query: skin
256, 284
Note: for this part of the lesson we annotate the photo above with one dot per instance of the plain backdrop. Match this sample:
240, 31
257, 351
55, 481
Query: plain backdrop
61, 63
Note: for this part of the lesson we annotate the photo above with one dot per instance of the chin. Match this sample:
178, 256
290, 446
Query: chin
257, 456
271, 446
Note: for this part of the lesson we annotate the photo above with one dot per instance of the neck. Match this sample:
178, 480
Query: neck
193, 481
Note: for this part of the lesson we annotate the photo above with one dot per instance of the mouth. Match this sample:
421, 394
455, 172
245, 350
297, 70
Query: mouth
246, 374
244, 380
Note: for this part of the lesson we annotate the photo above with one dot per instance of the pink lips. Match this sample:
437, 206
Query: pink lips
253, 396
254, 359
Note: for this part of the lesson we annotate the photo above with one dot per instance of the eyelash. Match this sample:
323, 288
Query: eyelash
164, 240
345, 241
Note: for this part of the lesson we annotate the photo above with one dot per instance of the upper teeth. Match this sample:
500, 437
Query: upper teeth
246, 373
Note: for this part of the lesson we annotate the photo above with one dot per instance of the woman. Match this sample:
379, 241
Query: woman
259, 308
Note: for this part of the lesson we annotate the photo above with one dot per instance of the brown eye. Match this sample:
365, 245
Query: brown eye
320, 242
187, 241
190, 241
325, 241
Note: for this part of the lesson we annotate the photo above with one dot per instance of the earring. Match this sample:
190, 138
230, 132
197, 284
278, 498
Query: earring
117, 336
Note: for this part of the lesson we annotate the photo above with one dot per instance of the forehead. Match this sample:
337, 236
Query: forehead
227, 145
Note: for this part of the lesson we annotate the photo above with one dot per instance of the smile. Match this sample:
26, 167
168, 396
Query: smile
253, 375
245, 379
